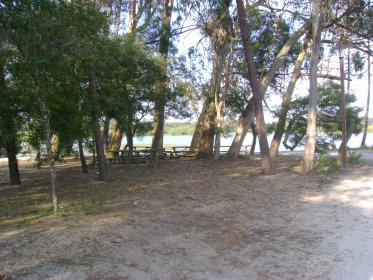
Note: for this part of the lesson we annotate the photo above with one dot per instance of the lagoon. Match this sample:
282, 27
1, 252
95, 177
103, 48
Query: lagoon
185, 140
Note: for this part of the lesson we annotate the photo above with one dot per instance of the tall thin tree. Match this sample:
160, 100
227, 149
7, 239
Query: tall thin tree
255, 86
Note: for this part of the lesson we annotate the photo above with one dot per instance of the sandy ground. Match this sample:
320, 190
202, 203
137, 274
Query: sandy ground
197, 220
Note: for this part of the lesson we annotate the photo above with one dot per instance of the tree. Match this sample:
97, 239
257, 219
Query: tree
280, 127
268, 75
309, 150
255, 86
9, 118
160, 101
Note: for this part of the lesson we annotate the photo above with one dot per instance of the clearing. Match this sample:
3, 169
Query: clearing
189, 219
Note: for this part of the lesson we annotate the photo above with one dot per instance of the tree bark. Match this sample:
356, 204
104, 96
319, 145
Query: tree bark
310, 146
160, 100
101, 159
11, 151
280, 127
366, 116
255, 86
116, 137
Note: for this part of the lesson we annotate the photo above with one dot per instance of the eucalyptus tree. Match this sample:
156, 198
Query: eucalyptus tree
282, 116
216, 24
280, 54
255, 86
161, 88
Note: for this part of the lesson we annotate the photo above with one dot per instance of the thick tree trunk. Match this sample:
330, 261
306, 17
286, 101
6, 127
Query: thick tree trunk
116, 137
197, 135
280, 127
101, 159
82, 157
210, 118
160, 100
366, 116
129, 136
255, 86
310, 146
10, 134
243, 124
11, 151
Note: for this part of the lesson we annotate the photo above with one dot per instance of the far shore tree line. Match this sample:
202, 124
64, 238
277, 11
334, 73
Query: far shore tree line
87, 73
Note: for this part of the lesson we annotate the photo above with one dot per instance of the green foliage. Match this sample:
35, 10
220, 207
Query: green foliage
182, 128
329, 129
326, 164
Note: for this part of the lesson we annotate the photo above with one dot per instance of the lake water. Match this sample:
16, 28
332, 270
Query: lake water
185, 140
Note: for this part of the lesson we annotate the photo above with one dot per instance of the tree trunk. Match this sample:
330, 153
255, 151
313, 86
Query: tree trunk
246, 118
244, 124
116, 137
210, 119
129, 136
342, 153
255, 86
82, 157
366, 117
160, 100
255, 135
309, 149
11, 151
102, 168
280, 127
47, 136
220, 102
105, 132
197, 135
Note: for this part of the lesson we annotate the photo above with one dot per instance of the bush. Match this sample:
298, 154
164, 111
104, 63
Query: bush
326, 164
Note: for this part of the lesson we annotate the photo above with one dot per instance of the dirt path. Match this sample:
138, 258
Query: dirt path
202, 220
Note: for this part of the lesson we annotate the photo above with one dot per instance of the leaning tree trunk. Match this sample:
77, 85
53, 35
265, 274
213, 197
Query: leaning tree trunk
101, 159
280, 127
255, 86
310, 146
245, 118
160, 100
366, 117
